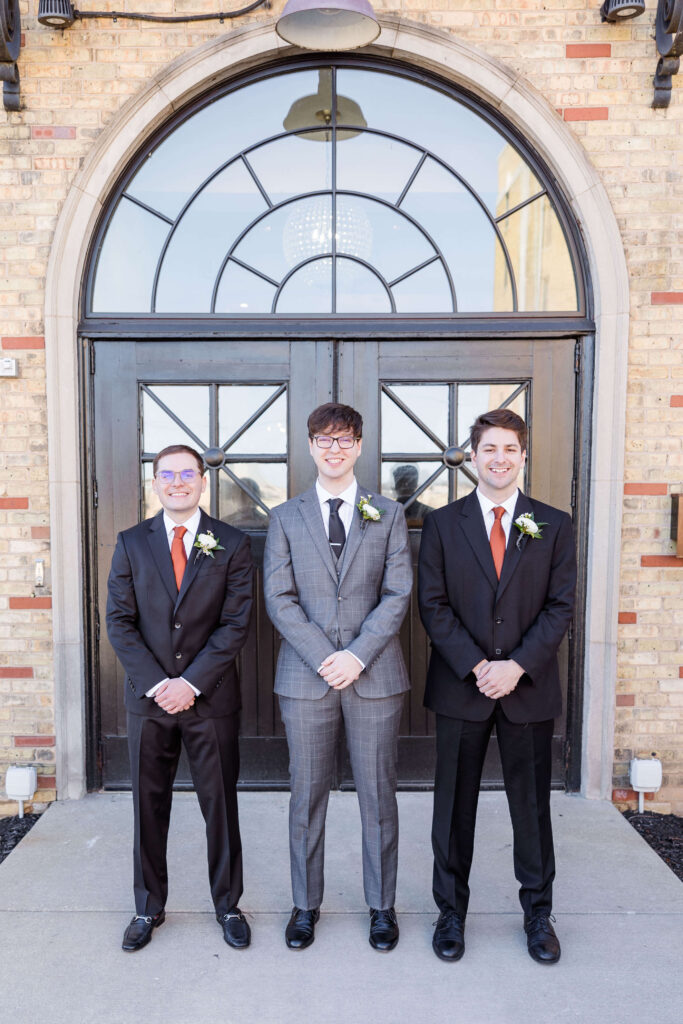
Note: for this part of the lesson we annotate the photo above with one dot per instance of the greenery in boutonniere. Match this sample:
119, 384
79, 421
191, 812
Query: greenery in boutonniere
369, 511
207, 544
528, 527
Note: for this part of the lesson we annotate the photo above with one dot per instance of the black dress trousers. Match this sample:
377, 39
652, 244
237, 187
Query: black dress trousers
154, 745
525, 752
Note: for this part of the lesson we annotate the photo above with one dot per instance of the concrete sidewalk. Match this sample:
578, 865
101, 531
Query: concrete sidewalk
65, 899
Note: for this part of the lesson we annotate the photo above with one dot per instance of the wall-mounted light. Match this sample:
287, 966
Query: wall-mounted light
62, 14
20, 784
620, 10
328, 24
645, 774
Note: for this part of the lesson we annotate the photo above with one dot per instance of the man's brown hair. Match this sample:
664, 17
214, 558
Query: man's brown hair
333, 416
176, 449
505, 418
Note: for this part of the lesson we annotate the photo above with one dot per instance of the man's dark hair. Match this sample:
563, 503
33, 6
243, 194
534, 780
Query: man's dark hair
505, 418
333, 416
176, 449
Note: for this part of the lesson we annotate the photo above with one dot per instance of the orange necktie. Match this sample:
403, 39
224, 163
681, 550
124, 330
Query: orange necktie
178, 554
497, 539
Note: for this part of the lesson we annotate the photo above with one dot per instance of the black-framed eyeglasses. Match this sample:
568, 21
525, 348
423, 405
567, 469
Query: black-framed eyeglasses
325, 441
188, 476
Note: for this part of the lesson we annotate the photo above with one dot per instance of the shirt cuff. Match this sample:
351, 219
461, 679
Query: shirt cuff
150, 693
362, 665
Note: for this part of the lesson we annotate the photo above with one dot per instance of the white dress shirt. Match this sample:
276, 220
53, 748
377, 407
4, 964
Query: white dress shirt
191, 526
346, 510
487, 507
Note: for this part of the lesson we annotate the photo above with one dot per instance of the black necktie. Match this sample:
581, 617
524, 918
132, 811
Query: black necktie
337, 532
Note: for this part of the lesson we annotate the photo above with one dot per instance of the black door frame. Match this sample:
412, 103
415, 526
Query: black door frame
584, 364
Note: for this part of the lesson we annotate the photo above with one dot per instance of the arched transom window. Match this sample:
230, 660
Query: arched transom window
334, 189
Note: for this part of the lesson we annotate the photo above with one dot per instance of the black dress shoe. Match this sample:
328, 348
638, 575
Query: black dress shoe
383, 929
449, 936
236, 931
541, 940
139, 931
300, 930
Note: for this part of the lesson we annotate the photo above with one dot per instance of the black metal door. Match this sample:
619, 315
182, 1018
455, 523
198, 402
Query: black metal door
418, 402
245, 403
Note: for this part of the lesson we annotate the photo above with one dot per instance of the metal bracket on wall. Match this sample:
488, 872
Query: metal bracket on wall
10, 44
669, 36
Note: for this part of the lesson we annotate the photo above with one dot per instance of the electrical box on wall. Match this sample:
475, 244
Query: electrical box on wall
8, 367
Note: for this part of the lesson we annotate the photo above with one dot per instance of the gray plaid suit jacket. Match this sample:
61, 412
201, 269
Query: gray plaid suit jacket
319, 607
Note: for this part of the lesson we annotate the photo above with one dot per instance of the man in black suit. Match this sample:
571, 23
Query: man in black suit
497, 575
180, 596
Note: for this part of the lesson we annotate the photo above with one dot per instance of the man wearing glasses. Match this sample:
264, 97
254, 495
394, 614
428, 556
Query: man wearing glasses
337, 579
180, 595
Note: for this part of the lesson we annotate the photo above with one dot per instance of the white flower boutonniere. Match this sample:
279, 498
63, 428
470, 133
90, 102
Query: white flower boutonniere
369, 511
207, 543
528, 527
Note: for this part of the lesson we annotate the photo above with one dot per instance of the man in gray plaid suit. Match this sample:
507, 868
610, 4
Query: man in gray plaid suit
337, 579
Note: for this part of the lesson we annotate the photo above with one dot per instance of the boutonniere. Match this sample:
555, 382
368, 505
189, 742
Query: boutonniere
528, 527
207, 544
369, 511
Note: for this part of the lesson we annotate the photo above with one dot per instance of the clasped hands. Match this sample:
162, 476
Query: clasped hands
340, 669
496, 679
174, 695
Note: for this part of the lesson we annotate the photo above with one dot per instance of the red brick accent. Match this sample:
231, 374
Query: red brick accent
34, 342
666, 298
18, 603
645, 488
625, 700
676, 402
627, 618
680, 672
589, 49
661, 561
13, 502
34, 741
586, 114
47, 782
40, 532
629, 794
57, 131
16, 672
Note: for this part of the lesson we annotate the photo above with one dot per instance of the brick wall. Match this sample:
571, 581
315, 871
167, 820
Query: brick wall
599, 78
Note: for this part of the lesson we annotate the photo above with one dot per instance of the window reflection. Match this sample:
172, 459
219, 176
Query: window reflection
190, 403
540, 258
237, 403
428, 403
401, 480
266, 482
263, 161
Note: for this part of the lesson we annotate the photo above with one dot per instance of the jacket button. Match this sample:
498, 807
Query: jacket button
176, 625
498, 622
339, 598
498, 651
179, 655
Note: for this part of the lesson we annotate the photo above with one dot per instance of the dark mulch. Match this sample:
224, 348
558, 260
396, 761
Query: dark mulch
13, 830
664, 833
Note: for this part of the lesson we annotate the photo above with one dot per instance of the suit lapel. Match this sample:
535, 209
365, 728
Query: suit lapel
194, 561
513, 552
472, 525
310, 510
355, 537
158, 542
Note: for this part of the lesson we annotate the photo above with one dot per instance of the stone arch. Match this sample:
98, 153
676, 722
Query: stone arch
517, 102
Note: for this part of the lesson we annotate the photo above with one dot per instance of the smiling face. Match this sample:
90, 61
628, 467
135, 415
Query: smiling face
179, 497
335, 465
498, 460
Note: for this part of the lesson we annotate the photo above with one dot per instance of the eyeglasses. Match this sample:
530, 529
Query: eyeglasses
188, 476
325, 441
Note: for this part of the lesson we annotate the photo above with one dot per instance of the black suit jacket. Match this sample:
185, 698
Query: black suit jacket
196, 633
470, 615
